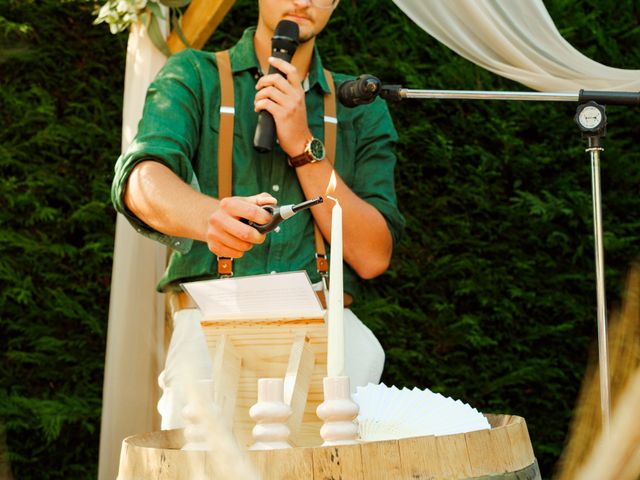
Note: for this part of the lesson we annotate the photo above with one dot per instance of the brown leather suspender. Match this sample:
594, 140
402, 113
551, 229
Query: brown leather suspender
225, 150
225, 142
330, 135
227, 113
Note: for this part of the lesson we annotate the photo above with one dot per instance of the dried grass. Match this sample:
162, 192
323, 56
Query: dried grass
624, 371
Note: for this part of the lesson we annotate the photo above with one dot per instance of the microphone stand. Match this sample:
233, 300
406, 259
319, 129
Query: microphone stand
591, 129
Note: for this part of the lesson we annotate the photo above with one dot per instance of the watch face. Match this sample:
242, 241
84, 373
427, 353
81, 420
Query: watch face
590, 117
316, 148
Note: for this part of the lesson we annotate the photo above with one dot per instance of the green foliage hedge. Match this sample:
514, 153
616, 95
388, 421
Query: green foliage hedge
491, 297
61, 100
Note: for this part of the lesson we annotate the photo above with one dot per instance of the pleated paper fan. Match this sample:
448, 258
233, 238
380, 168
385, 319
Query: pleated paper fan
388, 413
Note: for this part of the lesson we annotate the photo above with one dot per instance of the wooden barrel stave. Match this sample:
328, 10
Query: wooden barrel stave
504, 452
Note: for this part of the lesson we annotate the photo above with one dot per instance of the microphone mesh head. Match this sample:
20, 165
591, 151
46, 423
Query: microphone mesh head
288, 31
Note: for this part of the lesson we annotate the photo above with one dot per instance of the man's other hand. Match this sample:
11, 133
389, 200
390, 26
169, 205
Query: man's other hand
284, 99
227, 235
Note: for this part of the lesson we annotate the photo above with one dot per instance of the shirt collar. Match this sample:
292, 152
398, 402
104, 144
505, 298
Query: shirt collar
243, 57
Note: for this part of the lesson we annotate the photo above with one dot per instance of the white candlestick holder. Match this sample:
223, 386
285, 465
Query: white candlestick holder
196, 413
338, 412
270, 414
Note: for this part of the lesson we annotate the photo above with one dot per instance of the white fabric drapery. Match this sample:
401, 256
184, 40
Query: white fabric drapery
135, 337
516, 39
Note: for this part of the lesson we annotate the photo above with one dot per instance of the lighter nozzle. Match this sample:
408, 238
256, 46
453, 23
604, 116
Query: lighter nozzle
307, 204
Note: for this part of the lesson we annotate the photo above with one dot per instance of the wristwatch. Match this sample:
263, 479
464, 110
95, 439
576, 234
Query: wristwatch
313, 152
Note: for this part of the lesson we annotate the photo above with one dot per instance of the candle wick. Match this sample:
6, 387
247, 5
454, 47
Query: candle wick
332, 198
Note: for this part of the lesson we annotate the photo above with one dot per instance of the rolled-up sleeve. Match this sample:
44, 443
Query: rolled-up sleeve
168, 133
375, 163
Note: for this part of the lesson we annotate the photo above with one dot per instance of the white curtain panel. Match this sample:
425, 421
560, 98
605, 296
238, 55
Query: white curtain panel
135, 337
516, 39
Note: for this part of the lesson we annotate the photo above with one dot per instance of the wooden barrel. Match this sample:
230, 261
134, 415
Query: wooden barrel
503, 452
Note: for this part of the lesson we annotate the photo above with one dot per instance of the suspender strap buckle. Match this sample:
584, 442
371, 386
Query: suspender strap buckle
225, 267
321, 264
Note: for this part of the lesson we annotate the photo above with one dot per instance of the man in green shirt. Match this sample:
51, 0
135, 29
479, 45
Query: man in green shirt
166, 183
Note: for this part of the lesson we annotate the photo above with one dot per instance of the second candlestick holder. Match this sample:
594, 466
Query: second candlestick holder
338, 412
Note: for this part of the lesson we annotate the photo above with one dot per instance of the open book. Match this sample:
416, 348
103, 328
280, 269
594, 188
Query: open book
277, 296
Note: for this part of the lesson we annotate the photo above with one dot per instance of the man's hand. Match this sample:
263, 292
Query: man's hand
227, 235
162, 200
284, 99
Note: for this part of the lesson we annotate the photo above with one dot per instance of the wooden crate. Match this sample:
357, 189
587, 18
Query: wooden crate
244, 351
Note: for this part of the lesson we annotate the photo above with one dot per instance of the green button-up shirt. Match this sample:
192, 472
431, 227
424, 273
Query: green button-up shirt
179, 129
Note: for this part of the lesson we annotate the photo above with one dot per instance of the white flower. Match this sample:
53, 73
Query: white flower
120, 14
123, 6
104, 10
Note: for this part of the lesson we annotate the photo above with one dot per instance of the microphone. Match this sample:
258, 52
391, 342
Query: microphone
360, 91
283, 45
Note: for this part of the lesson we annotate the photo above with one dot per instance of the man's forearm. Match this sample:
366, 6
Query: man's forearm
367, 243
159, 198
166, 203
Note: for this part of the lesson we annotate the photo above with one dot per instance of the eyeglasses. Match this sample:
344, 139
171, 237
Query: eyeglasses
323, 3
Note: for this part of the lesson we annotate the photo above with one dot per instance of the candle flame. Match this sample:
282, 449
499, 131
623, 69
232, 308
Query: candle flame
331, 187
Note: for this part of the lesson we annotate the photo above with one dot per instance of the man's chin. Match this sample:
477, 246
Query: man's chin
304, 38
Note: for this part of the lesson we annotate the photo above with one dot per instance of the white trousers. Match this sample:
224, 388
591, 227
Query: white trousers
188, 361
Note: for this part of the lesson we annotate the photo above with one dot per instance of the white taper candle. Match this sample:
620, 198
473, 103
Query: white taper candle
335, 335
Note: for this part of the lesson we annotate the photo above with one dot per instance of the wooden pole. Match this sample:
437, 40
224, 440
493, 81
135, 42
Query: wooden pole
199, 22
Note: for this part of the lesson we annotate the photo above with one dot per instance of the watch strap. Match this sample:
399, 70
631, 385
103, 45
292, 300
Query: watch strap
302, 159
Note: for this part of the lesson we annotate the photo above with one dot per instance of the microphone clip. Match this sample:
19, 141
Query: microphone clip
365, 89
